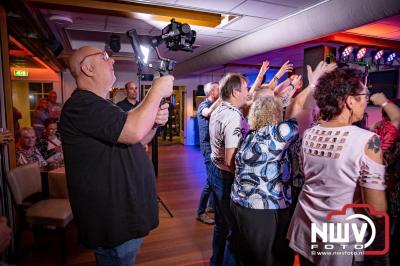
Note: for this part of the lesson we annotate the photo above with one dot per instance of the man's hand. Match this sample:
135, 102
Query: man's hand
322, 68
5, 234
163, 86
6, 137
162, 114
378, 98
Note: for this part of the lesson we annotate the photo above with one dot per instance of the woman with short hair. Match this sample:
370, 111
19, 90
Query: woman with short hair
342, 164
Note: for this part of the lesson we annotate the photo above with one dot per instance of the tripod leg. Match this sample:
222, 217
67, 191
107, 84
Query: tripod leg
165, 206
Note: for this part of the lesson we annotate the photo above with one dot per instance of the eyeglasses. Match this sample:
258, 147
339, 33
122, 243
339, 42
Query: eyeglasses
367, 94
106, 57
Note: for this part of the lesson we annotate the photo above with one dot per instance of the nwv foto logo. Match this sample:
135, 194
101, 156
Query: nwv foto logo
336, 235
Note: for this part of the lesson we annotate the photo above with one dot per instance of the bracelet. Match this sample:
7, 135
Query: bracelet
385, 103
276, 78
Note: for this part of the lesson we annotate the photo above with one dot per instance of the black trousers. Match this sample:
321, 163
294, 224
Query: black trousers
262, 236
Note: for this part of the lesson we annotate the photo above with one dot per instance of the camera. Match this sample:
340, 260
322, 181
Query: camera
177, 36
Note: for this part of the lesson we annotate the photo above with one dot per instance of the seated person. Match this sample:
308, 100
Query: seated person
27, 152
49, 144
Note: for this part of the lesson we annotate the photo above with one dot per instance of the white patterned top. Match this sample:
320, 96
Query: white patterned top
335, 166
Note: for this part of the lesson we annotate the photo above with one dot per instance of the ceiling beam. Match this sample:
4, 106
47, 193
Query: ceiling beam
133, 10
360, 40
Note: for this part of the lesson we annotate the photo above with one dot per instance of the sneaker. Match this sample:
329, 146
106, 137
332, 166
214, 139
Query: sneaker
205, 219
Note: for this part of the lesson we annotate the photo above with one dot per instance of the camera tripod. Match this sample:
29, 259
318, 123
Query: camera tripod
154, 158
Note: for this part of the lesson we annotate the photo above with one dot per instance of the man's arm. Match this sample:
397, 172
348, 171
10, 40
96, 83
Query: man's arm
141, 119
208, 111
230, 158
147, 139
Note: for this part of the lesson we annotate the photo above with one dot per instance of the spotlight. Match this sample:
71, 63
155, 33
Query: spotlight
389, 57
115, 43
361, 53
376, 55
347, 51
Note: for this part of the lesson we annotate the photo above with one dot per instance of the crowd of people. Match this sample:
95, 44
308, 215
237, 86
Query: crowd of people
290, 160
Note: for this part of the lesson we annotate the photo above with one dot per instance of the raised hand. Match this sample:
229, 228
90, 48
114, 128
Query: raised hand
322, 68
285, 68
378, 98
264, 68
296, 79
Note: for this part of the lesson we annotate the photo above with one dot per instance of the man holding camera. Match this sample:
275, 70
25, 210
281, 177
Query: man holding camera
110, 179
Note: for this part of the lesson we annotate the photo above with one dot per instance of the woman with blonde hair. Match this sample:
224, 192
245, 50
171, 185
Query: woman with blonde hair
261, 194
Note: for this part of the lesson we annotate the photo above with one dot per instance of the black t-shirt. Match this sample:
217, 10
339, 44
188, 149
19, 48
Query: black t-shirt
111, 185
126, 105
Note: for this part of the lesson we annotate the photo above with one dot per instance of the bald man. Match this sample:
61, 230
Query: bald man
110, 179
131, 100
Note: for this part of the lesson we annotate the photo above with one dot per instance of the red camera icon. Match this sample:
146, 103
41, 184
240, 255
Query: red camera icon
371, 211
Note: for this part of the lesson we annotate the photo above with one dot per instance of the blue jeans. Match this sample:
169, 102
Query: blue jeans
206, 195
122, 255
224, 246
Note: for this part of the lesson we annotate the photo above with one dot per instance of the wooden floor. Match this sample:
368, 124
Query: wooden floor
181, 240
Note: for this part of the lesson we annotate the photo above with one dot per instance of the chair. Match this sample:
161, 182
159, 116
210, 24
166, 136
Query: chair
25, 181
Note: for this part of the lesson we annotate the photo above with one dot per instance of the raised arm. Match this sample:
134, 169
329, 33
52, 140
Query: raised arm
260, 76
392, 110
285, 68
206, 112
301, 107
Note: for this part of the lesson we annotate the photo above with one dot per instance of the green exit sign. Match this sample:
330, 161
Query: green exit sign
21, 73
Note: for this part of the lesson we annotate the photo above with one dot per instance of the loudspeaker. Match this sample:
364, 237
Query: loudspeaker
200, 90
54, 46
115, 43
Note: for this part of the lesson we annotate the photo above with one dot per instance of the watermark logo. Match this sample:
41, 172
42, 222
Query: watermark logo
336, 235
